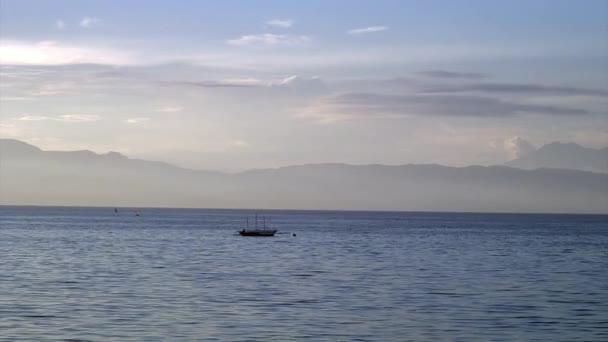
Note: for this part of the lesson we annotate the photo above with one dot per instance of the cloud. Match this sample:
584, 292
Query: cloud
98, 52
515, 88
88, 22
58, 88
286, 60
284, 23
9, 130
79, 118
268, 39
297, 83
62, 118
293, 80
441, 82
218, 84
312, 85
34, 118
136, 120
239, 144
516, 147
368, 29
25, 73
15, 98
60, 24
243, 82
171, 109
230, 83
352, 105
450, 74
53, 53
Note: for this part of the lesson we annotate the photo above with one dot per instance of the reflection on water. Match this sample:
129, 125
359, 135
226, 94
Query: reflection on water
169, 275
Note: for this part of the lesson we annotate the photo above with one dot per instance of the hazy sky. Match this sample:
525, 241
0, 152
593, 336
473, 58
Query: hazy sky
240, 84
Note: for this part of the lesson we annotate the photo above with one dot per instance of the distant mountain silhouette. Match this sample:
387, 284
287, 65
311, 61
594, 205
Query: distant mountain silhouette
564, 156
29, 175
11, 148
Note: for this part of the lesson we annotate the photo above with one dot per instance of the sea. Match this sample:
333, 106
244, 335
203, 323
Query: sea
91, 274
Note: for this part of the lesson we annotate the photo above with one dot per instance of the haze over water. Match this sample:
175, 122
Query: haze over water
89, 274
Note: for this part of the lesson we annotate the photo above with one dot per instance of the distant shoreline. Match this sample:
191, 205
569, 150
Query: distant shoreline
328, 211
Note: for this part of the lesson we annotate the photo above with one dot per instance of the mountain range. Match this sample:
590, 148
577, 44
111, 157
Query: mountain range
564, 156
31, 176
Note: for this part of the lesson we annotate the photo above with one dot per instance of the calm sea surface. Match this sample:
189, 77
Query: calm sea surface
89, 274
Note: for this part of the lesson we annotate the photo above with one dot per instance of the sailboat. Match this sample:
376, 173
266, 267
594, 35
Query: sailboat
256, 231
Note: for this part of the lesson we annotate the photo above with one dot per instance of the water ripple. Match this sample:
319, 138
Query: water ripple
87, 274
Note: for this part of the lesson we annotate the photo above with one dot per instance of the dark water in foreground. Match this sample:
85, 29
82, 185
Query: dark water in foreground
89, 274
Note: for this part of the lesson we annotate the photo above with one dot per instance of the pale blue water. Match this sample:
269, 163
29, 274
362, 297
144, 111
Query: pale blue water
89, 274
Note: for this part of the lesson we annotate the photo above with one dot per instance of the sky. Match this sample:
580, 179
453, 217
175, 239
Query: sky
235, 85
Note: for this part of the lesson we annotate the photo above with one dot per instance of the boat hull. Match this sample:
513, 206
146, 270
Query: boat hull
261, 233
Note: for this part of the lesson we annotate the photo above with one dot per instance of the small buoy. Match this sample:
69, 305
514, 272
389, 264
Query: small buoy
294, 234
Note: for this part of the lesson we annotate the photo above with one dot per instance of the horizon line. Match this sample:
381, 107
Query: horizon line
303, 210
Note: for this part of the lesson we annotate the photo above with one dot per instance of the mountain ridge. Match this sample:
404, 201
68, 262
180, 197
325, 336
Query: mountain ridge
32, 149
564, 156
48, 178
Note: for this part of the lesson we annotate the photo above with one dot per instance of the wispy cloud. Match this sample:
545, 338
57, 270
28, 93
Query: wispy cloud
284, 23
15, 98
171, 109
239, 143
63, 118
366, 105
55, 53
441, 82
88, 22
368, 29
243, 82
20, 52
34, 118
268, 39
516, 147
79, 118
11, 71
136, 120
60, 24
218, 84
516, 88
443, 74
9, 130
294, 82
239, 82
310, 86
56, 88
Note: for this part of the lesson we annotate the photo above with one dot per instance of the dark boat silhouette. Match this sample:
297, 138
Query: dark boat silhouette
257, 232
